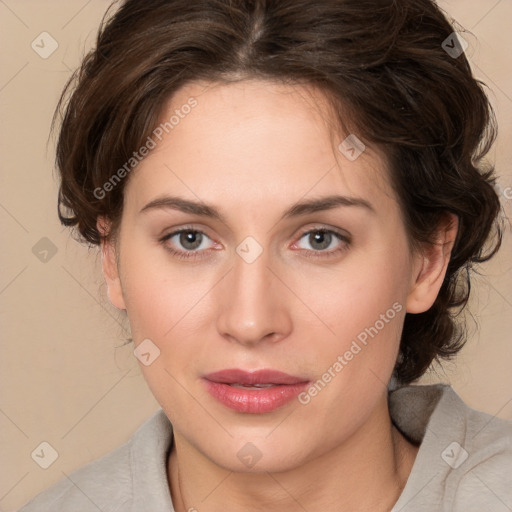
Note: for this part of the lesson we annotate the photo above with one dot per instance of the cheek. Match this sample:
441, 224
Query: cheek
157, 293
364, 309
367, 286
158, 306
145, 289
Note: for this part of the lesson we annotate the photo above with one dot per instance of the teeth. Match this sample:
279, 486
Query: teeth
255, 386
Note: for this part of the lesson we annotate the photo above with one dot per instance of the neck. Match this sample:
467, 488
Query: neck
367, 472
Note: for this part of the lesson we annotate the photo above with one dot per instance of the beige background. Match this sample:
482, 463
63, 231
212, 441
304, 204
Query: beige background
65, 378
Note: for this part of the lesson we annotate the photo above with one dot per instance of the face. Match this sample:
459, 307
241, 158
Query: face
254, 281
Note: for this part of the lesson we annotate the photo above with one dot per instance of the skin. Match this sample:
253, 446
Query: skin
252, 149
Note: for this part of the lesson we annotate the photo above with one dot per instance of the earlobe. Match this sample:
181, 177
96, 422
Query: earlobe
109, 266
430, 268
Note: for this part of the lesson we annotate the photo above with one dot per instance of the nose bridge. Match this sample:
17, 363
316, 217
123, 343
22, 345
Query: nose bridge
252, 308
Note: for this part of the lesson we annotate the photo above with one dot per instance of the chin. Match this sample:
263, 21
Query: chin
255, 451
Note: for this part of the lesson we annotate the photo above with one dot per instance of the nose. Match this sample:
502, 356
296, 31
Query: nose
253, 303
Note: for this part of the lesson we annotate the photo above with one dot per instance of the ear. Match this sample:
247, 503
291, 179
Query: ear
430, 267
109, 265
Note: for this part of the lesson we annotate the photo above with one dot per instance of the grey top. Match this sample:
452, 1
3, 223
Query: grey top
464, 463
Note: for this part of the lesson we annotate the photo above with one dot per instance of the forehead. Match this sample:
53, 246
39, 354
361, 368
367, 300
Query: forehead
254, 142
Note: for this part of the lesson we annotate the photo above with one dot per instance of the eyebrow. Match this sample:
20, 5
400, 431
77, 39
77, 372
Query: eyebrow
296, 210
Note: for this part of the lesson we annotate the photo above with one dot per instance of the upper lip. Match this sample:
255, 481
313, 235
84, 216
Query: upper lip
248, 378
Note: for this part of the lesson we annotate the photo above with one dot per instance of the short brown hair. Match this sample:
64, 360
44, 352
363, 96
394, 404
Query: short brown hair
384, 63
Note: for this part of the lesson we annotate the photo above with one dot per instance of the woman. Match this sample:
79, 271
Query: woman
288, 196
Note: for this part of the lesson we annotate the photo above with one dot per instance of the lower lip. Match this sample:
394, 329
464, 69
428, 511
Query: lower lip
254, 401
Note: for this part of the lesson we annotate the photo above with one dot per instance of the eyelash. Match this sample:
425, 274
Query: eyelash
194, 255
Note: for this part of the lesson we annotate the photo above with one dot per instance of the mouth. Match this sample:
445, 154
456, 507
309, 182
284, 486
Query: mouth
258, 378
254, 392
256, 386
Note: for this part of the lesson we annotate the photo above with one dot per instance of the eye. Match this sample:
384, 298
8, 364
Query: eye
190, 243
325, 242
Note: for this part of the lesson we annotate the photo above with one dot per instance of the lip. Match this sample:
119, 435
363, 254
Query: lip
248, 378
283, 389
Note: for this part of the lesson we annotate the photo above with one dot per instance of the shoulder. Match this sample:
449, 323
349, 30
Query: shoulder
484, 438
439, 409
483, 480
99, 485
464, 463
110, 482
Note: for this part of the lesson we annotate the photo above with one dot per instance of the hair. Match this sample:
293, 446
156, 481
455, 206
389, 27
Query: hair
382, 63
